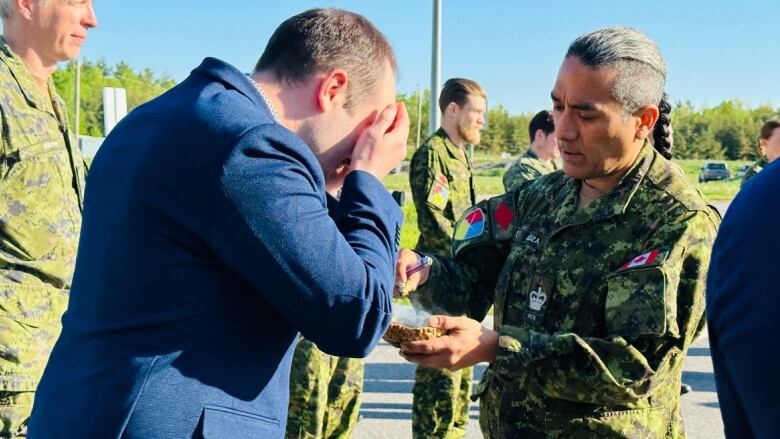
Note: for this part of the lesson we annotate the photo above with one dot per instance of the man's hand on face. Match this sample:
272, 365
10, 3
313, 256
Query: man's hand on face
465, 343
383, 144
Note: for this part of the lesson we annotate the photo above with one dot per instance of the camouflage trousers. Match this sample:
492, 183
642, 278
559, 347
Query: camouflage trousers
324, 394
440, 403
15, 409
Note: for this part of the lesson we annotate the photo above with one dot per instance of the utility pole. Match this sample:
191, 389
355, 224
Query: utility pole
435, 68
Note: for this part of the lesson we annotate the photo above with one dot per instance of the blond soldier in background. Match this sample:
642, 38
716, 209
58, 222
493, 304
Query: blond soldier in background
443, 188
541, 155
40, 195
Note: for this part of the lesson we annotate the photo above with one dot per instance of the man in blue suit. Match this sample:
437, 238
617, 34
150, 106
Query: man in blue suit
209, 241
743, 305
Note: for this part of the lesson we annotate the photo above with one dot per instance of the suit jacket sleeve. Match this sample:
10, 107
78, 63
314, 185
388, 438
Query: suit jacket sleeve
330, 273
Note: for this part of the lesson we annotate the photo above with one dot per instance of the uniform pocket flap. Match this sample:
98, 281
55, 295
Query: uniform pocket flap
223, 422
651, 422
637, 305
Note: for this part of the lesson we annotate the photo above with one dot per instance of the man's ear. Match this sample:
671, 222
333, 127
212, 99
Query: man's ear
647, 117
24, 8
332, 90
538, 135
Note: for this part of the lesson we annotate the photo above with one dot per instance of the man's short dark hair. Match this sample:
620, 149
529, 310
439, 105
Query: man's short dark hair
542, 121
321, 40
458, 90
768, 128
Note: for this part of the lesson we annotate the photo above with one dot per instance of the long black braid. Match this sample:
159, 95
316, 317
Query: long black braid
662, 132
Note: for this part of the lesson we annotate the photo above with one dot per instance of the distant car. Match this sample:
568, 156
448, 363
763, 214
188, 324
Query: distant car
713, 171
741, 171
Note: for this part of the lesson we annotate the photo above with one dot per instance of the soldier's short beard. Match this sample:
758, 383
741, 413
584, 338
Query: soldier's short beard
468, 134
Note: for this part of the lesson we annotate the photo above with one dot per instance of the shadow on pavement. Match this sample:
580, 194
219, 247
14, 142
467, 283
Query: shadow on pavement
698, 352
700, 381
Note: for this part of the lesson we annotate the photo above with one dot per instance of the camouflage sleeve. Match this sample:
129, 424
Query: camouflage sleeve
519, 173
481, 245
750, 173
652, 314
425, 172
2, 141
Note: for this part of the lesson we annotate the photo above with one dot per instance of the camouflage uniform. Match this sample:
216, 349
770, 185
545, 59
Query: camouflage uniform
528, 167
40, 216
442, 189
595, 307
324, 394
754, 169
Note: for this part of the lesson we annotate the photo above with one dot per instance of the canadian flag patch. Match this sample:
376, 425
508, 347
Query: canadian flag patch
653, 257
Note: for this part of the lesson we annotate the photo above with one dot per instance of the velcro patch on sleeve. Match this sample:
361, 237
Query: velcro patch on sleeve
439, 193
652, 258
503, 217
472, 228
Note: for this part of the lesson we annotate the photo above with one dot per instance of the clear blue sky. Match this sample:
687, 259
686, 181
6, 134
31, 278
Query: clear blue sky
715, 50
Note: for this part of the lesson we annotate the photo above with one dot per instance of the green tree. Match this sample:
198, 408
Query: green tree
140, 87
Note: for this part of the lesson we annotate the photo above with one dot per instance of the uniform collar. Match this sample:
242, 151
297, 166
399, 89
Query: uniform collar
232, 77
26, 81
531, 154
455, 151
614, 203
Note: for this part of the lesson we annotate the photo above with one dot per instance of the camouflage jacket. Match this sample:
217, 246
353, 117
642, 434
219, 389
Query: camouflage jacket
753, 170
442, 189
595, 307
527, 167
40, 215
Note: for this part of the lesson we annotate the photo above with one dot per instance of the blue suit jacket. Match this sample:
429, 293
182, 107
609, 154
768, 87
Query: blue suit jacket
743, 309
207, 244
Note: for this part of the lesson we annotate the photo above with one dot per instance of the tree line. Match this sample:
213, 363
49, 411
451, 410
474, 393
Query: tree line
726, 131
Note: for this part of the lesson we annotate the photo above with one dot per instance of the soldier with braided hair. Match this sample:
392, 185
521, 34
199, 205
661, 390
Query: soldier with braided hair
596, 271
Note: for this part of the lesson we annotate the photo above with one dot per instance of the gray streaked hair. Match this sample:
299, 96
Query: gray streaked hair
641, 70
7, 8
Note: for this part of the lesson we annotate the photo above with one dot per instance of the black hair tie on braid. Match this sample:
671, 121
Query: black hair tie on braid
662, 133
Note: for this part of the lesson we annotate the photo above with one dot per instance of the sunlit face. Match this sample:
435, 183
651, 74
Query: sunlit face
471, 118
59, 28
333, 134
771, 146
594, 137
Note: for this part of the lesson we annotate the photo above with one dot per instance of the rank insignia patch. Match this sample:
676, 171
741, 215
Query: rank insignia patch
440, 191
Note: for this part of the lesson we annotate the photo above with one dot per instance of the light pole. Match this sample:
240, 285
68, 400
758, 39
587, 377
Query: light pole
434, 118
